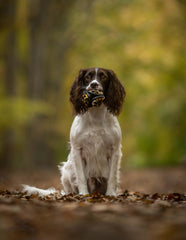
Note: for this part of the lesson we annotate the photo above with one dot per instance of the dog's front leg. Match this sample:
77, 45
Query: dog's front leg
80, 173
113, 180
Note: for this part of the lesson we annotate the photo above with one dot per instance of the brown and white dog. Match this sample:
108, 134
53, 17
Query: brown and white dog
95, 137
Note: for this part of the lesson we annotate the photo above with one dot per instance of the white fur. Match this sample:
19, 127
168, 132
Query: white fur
96, 137
40, 192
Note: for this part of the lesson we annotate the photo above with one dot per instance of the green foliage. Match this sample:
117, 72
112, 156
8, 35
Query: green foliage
142, 41
18, 112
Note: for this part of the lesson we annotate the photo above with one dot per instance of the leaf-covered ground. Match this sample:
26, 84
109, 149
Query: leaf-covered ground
130, 215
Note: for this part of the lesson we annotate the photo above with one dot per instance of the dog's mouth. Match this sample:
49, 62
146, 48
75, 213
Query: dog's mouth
93, 97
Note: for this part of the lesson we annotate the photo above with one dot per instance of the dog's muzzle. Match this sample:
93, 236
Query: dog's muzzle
93, 98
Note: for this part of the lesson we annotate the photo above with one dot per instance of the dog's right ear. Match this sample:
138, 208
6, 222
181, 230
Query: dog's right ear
76, 93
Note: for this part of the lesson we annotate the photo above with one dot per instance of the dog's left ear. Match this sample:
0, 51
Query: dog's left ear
115, 94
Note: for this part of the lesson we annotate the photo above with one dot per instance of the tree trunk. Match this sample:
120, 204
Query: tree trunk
8, 136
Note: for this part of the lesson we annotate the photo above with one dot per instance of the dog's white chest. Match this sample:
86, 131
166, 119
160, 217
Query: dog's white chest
96, 152
95, 135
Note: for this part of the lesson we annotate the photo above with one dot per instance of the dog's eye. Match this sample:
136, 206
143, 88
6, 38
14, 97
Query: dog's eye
102, 76
87, 78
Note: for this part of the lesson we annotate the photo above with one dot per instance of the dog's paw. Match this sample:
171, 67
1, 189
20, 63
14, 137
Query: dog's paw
83, 193
110, 193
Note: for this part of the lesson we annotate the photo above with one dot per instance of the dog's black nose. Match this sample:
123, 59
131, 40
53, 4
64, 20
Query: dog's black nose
94, 85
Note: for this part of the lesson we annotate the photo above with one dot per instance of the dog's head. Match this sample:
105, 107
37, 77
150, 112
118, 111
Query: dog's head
99, 80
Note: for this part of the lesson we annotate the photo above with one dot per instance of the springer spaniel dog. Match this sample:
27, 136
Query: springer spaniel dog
95, 137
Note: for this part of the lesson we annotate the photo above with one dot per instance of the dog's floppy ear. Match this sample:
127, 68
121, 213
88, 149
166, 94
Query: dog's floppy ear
115, 94
76, 93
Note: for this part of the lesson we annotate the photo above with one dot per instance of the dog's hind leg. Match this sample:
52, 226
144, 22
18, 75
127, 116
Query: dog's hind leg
68, 178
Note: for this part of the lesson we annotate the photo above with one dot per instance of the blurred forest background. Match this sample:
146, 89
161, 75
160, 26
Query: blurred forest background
44, 43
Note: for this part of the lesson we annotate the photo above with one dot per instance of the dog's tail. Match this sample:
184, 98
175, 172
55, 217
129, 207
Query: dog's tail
40, 192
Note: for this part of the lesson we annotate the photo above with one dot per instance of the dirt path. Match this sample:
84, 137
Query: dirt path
132, 215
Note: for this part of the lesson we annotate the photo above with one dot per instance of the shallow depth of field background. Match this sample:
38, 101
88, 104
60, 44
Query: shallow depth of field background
43, 44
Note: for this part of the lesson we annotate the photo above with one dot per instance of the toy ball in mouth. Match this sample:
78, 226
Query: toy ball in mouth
93, 98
